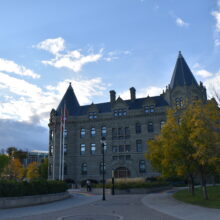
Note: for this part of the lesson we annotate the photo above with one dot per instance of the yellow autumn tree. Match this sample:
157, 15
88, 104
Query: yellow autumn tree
14, 170
32, 171
171, 152
189, 143
205, 137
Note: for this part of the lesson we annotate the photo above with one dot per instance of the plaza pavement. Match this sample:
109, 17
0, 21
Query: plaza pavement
86, 206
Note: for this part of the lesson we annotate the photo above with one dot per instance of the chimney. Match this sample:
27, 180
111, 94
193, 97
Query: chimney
112, 96
133, 93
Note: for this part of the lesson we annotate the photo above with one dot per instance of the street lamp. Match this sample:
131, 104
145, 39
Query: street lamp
113, 183
103, 143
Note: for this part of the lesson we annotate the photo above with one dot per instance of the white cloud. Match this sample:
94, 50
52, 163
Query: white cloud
180, 22
30, 103
11, 67
203, 73
53, 46
213, 85
150, 91
196, 65
216, 15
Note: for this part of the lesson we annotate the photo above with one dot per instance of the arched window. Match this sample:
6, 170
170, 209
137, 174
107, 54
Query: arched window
138, 128
162, 124
101, 168
150, 126
142, 166
103, 131
82, 132
92, 132
84, 168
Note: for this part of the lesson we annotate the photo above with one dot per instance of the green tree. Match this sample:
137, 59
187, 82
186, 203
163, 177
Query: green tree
43, 169
4, 160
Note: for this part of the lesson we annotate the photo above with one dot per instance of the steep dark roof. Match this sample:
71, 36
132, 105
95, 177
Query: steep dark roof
182, 75
71, 102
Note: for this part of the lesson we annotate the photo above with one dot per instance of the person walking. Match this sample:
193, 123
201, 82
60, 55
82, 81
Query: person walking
88, 185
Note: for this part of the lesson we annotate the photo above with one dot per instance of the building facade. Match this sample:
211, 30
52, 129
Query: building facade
75, 151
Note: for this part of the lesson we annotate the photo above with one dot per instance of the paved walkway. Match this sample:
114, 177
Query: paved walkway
86, 206
164, 202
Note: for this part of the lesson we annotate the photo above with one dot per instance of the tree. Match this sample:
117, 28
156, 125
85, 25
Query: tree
205, 137
4, 160
43, 169
14, 170
171, 153
189, 143
33, 171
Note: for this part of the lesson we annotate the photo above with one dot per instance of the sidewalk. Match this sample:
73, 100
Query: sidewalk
165, 203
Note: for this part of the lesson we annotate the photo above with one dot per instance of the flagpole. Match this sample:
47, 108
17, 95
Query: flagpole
54, 144
61, 124
64, 128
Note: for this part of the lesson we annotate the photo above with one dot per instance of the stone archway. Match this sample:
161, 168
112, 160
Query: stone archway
122, 172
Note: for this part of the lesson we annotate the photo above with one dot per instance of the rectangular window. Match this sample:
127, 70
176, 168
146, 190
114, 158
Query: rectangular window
121, 148
139, 146
120, 133
150, 127
114, 149
65, 149
51, 150
82, 149
138, 128
128, 157
114, 133
82, 132
127, 132
142, 166
92, 132
127, 148
92, 149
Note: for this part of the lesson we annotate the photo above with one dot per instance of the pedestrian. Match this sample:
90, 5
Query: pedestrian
88, 184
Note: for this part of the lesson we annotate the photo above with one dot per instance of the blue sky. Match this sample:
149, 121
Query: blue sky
97, 45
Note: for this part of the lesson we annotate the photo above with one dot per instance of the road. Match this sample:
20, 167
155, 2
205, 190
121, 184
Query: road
85, 206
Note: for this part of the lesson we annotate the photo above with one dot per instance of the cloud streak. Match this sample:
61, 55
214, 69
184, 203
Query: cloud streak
10, 66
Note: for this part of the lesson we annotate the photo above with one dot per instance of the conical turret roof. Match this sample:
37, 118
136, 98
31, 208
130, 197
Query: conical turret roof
71, 102
182, 75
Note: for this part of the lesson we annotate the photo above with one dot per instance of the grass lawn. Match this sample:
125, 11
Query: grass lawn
212, 202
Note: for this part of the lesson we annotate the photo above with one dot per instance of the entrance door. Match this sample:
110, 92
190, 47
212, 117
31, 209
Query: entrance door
122, 172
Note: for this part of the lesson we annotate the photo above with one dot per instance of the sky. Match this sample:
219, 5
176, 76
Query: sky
97, 45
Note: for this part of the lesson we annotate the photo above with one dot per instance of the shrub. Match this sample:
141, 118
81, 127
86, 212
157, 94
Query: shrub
129, 183
9, 188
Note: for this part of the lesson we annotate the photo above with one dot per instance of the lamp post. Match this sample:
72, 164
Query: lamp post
103, 143
113, 183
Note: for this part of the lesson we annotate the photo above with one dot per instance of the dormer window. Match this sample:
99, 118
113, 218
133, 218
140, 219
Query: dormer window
120, 113
92, 115
179, 102
149, 108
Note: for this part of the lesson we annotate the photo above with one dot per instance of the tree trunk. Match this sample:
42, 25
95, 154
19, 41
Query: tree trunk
192, 185
204, 188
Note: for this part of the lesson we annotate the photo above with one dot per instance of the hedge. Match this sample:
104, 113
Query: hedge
130, 185
10, 188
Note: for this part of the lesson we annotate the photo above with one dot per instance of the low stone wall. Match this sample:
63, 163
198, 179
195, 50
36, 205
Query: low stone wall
14, 202
129, 191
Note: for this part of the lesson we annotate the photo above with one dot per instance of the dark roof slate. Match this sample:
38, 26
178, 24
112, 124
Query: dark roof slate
182, 75
107, 106
71, 102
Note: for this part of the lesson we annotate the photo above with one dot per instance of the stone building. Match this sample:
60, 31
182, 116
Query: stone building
127, 125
